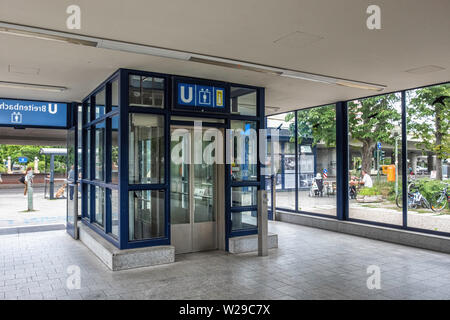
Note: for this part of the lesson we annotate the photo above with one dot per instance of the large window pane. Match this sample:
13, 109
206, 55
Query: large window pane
99, 205
147, 216
428, 157
115, 213
243, 196
282, 151
375, 159
243, 220
100, 104
115, 94
146, 92
146, 154
244, 146
87, 159
243, 101
115, 150
317, 160
99, 151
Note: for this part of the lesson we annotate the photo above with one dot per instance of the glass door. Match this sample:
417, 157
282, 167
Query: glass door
193, 195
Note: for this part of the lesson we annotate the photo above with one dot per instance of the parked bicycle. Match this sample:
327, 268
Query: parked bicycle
415, 198
441, 199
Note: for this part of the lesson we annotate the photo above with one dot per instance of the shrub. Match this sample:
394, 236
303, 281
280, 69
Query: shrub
369, 192
428, 187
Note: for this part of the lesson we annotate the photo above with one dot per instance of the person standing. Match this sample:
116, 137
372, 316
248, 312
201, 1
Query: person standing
28, 180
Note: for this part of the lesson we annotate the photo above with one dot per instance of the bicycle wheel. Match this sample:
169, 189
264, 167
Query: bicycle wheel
399, 201
438, 202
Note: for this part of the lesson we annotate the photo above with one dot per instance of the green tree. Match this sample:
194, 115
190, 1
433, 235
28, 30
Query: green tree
373, 120
428, 121
318, 124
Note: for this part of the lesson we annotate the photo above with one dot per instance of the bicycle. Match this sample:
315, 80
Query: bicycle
441, 199
415, 199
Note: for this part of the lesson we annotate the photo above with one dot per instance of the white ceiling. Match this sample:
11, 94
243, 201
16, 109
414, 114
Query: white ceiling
319, 36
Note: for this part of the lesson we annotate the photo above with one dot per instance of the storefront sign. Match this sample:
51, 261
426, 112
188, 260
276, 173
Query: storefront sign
195, 95
33, 113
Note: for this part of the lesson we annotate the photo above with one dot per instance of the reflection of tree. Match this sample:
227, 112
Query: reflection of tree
428, 121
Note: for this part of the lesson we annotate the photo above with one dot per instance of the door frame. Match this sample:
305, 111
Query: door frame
220, 230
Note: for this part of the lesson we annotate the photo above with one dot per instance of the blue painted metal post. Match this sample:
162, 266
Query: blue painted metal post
342, 154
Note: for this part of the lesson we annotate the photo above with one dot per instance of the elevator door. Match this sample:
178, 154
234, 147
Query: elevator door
193, 203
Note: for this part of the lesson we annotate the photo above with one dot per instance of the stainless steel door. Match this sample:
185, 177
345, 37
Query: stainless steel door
193, 196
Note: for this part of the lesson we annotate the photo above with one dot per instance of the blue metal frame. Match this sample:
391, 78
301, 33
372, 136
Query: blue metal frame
342, 159
124, 187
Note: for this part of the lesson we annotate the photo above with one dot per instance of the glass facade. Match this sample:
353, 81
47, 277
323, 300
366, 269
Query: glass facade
131, 207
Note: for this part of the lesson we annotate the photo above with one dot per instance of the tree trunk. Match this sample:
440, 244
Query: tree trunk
367, 151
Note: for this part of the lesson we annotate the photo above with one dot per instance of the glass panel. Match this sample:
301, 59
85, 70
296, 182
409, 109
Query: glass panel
87, 172
243, 101
179, 184
99, 205
375, 154
283, 157
244, 196
87, 189
146, 91
204, 189
317, 160
100, 104
115, 213
243, 220
146, 154
244, 146
115, 151
87, 112
99, 150
146, 214
115, 94
428, 158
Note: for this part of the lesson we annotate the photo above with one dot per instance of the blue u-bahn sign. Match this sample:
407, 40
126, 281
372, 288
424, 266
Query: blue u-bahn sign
201, 96
33, 113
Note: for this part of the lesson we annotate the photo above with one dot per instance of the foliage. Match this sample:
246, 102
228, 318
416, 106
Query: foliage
318, 124
369, 192
428, 187
427, 121
16, 151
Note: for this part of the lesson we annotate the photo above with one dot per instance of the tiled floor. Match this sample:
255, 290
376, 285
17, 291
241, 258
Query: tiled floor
309, 264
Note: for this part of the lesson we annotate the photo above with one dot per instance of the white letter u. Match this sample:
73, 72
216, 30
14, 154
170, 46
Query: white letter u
51, 110
183, 95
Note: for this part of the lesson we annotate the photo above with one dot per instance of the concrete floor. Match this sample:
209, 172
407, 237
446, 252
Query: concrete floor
13, 206
309, 264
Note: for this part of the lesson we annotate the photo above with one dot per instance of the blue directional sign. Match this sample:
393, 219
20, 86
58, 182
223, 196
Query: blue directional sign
33, 113
195, 95
379, 145
23, 160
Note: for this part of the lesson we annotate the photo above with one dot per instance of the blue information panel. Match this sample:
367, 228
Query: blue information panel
33, 113
195, 95
23, 159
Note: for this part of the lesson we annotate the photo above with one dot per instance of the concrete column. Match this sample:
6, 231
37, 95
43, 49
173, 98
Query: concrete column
9, 165
262, 224
413, 159
36, 165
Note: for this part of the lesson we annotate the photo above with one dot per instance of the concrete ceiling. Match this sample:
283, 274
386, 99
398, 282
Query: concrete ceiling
33, 136
319, 36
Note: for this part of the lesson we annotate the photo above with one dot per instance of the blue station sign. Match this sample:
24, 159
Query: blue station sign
33, 113
195, 95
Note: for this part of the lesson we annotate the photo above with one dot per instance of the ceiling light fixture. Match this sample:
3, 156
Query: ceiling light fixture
31, 86
46, 34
